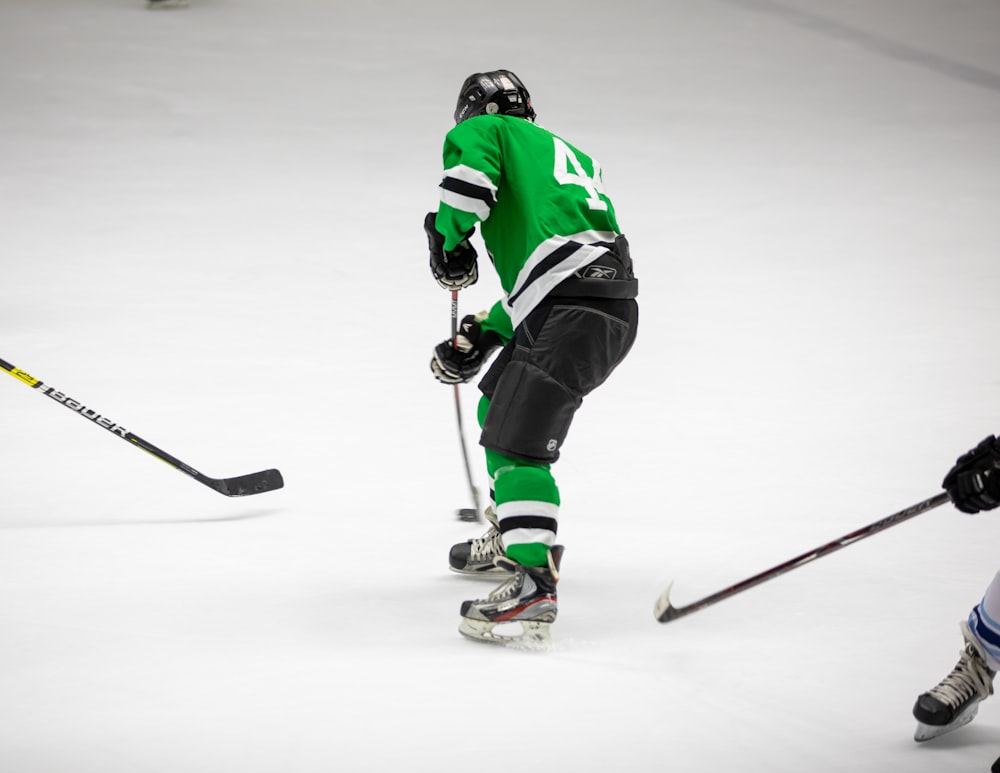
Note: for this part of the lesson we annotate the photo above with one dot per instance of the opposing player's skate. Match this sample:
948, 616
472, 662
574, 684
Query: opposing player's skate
475, 557
524, 606
954, 702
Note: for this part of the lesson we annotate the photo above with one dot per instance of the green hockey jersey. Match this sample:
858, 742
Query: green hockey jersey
541, 202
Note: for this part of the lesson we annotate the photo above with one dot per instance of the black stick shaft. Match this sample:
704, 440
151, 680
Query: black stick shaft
665, 611
242, 485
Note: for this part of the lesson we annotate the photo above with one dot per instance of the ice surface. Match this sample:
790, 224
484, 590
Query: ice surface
211, 232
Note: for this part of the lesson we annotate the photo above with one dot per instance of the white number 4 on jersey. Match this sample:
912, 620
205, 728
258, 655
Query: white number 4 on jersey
568, 171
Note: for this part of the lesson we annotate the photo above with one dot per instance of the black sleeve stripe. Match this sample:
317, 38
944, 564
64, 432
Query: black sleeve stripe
469, 190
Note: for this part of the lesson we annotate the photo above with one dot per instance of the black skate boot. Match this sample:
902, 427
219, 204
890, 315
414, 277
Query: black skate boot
954, 702
528, 598
475, 556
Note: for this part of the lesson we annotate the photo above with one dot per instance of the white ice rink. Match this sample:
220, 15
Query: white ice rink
210, 231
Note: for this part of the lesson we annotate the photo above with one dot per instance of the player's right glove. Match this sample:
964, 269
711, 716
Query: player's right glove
453, 269
974, 482
457, 361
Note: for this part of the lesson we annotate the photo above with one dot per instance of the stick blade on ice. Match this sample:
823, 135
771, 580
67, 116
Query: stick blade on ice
663, 610
246, 485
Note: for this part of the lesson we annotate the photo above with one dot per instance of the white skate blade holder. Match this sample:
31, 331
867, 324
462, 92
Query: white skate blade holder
519, 634
927, 732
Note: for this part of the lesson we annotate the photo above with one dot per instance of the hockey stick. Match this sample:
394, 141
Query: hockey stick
465, 513
665, 611
240, 486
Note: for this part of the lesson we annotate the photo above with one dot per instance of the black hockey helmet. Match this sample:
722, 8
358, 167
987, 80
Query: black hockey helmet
498, 92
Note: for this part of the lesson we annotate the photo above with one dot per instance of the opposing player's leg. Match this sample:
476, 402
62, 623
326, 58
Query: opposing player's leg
955, 700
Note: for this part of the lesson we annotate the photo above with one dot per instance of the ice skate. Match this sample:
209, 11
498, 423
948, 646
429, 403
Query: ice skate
474, 557
954, 702
527, 601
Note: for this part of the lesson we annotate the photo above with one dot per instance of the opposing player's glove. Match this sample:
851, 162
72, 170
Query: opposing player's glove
455, 362
974, 482
453, 269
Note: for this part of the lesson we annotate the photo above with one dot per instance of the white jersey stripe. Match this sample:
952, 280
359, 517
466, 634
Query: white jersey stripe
528, 537
527, 507
473, 176
478, 207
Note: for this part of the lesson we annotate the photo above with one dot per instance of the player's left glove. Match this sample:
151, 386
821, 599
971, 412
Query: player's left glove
457, 361
453, 269
974, 482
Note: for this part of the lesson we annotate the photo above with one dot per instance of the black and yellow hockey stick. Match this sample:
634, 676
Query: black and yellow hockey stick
240, 486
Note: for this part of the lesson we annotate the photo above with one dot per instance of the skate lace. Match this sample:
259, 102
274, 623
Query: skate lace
510, 588
487, 546
969, 677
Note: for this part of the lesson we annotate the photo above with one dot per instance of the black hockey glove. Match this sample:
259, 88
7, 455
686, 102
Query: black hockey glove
974, 482
455, 362
453, 269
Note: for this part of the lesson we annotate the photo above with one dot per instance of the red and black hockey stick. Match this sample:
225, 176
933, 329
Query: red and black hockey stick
240, 486
665, 611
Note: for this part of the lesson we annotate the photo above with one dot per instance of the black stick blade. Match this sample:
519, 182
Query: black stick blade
247, 485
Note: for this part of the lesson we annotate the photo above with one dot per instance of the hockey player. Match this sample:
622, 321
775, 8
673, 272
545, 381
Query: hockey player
567, 319
973, 485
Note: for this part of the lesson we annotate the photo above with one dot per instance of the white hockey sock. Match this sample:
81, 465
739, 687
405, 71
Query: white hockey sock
984, 622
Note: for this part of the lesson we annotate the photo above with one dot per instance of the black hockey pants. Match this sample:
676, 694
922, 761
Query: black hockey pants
563, 350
